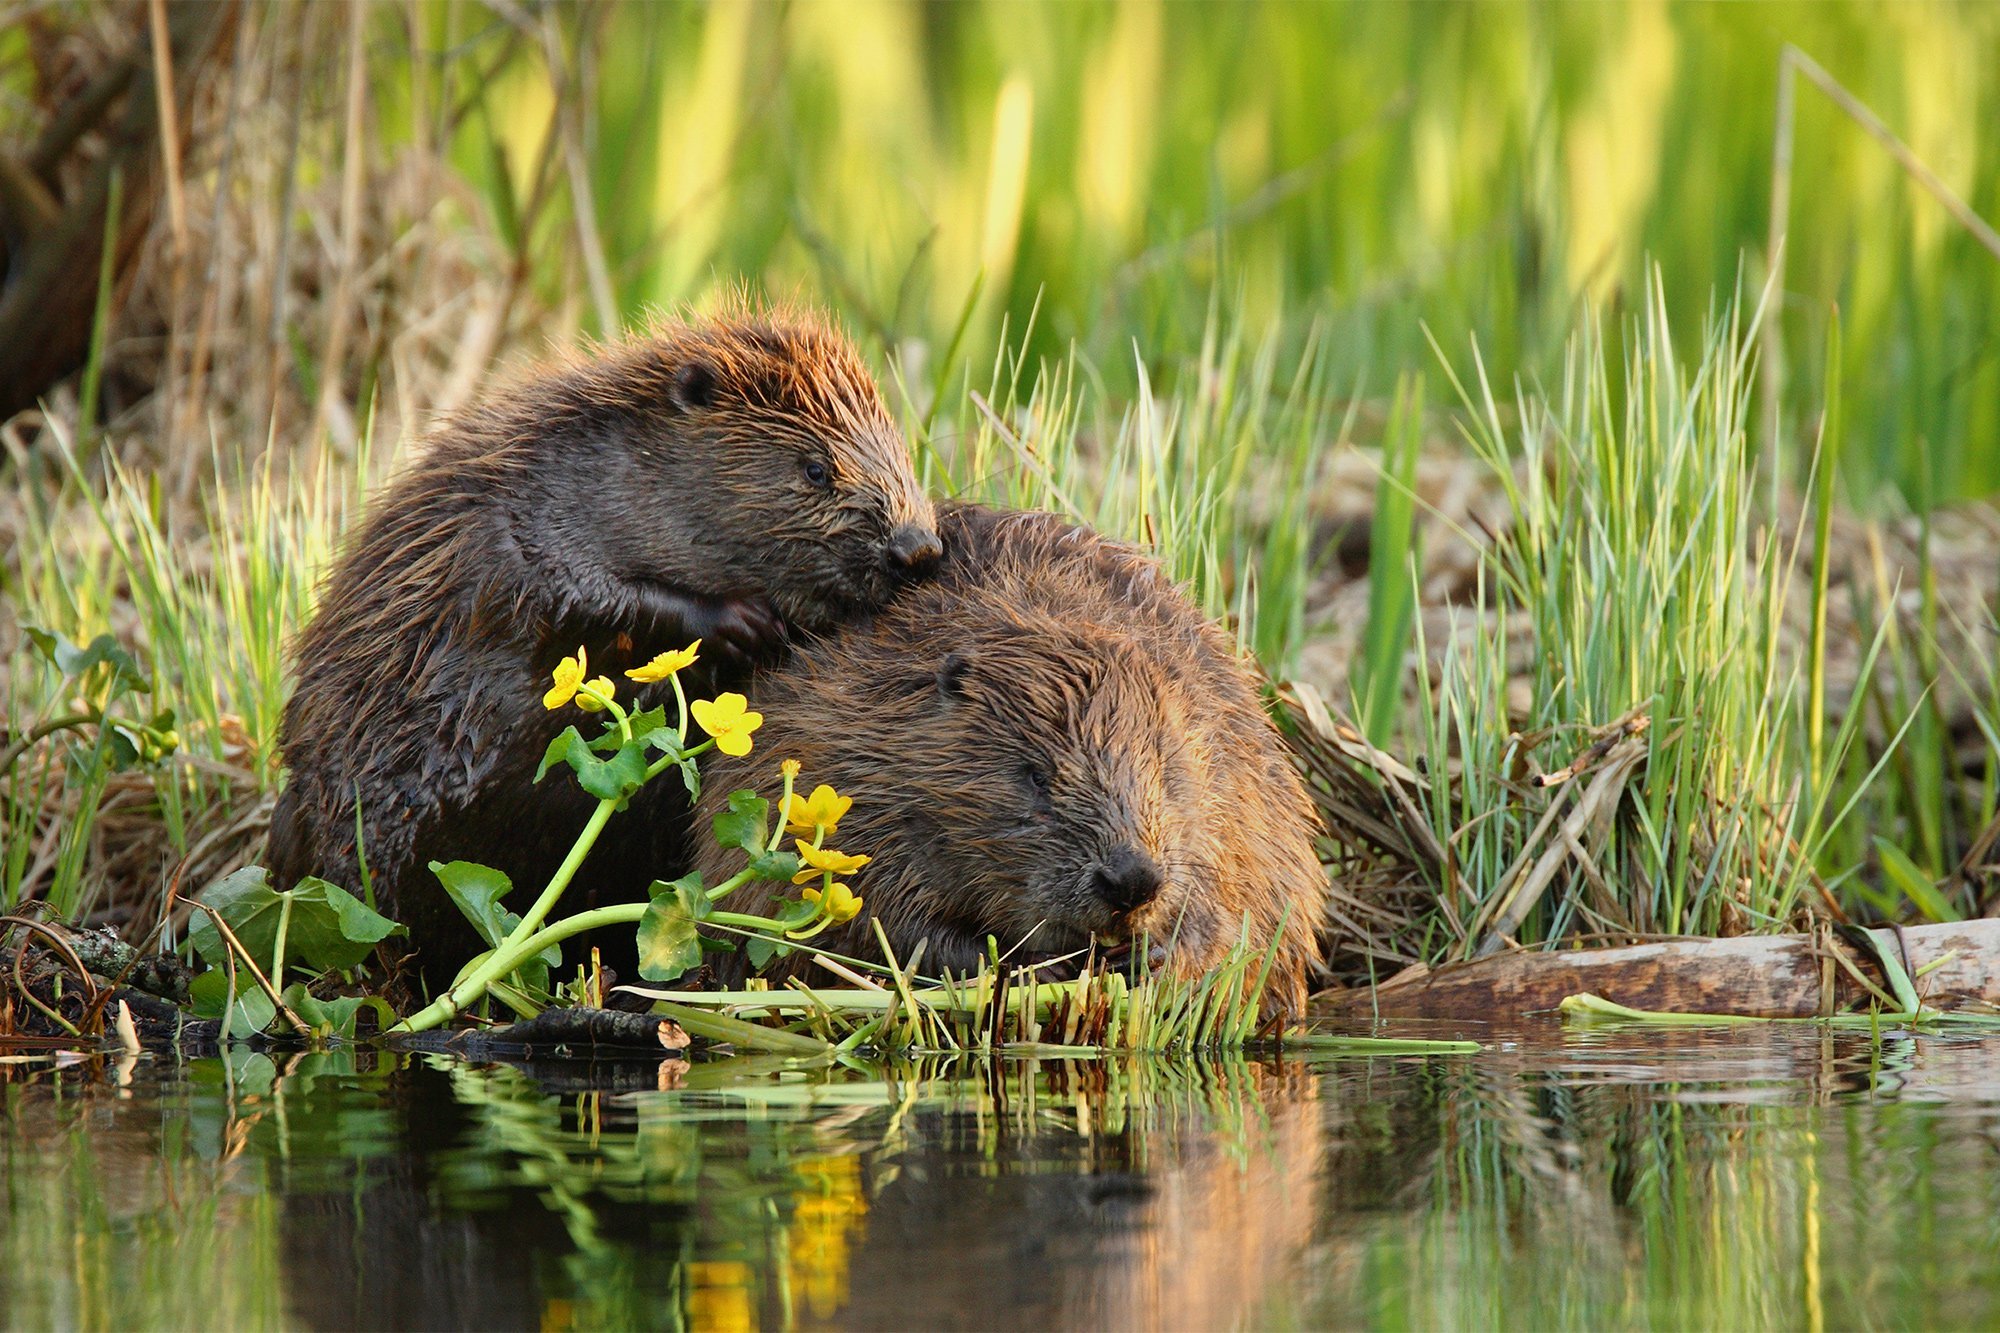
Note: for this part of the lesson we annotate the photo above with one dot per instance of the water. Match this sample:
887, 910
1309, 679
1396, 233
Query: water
1735, 1178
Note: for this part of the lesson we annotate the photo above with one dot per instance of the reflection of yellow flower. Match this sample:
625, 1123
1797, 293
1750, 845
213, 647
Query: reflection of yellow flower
841, 902
829, 1210
790, 768
569, 674
825, 861
728, 720
666, 664
821, 810
719, 1296
602, 685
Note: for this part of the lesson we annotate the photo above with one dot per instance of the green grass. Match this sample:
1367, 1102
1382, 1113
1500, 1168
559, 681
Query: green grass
1665, 772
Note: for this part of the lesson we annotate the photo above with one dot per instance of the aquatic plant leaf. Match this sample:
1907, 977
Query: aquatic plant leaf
652, 729
359, 922
252, 1011
761, 949
687, 891
336, 1017
240, 897
668, 943
477, 890
330, 928
774, 865
743, 824
611, 779
327, 928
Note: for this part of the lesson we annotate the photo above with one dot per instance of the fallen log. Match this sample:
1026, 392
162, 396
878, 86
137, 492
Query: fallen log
1765, 976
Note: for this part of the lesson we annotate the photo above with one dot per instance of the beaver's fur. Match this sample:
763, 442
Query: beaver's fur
721, 480
1044, 743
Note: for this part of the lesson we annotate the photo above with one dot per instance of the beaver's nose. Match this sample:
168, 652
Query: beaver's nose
912, 551
1127, 880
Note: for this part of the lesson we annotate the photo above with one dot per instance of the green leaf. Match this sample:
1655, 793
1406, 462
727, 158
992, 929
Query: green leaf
241, 898
358, 922
668, 943
558, 751
252, 1012
1918, 887
329, 928
743, 823
610, 779
774, 865
761, 949
791, 915
73, 661
336, 1017
687, 891
477, 890
651, 729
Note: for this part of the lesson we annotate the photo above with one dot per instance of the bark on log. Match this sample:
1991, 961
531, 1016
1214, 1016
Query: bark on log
575, 1034
1766, 976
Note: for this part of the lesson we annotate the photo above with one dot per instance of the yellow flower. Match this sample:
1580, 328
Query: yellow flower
569, 674
602, 685
666, 664
841, 902
822, 809
727, 719
790, 768
823, 861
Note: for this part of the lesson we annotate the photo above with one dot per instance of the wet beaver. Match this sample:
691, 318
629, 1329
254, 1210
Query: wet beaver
725, 480
1046, 742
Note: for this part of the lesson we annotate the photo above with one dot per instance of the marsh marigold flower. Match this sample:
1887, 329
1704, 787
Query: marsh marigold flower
823, 861
569, 675
602, 685
821, 810
666, 664
840, 902
726, 718
790, 769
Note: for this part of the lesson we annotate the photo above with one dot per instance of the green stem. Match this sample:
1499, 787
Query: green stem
734, 882
42, 733
585, 840
278, 946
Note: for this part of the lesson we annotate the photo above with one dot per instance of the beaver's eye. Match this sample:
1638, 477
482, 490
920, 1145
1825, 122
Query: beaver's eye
1037, 784
816, 473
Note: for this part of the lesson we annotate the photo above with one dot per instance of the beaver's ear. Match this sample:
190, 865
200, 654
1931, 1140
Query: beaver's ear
951, 675
692, 386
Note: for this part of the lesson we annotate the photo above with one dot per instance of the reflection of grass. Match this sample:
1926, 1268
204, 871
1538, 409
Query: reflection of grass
1011, 1009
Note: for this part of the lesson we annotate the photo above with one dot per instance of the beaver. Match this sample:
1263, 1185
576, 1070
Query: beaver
1047, 742
733, 481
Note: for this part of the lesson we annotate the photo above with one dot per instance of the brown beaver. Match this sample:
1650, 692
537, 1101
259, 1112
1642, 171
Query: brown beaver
727, 481
1045, 743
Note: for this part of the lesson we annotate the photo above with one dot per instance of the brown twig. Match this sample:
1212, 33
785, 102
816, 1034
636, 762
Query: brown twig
236, 950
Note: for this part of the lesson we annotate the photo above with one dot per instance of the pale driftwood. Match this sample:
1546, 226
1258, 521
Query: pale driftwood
1768, 976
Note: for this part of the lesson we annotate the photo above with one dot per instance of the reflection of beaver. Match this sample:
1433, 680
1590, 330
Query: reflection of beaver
720, 481
1045, 743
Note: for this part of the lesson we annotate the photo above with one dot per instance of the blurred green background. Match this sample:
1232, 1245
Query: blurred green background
1373, 168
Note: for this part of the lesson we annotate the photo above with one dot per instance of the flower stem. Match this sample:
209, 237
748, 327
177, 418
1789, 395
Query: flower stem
509, 955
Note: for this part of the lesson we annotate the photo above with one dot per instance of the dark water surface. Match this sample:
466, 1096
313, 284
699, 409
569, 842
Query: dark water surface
1772, 1176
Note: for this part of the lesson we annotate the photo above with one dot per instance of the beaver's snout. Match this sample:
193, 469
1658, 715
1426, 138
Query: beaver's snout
1127, 880
912, 552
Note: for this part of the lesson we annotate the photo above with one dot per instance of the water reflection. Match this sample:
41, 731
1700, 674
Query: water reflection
1737, 1178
